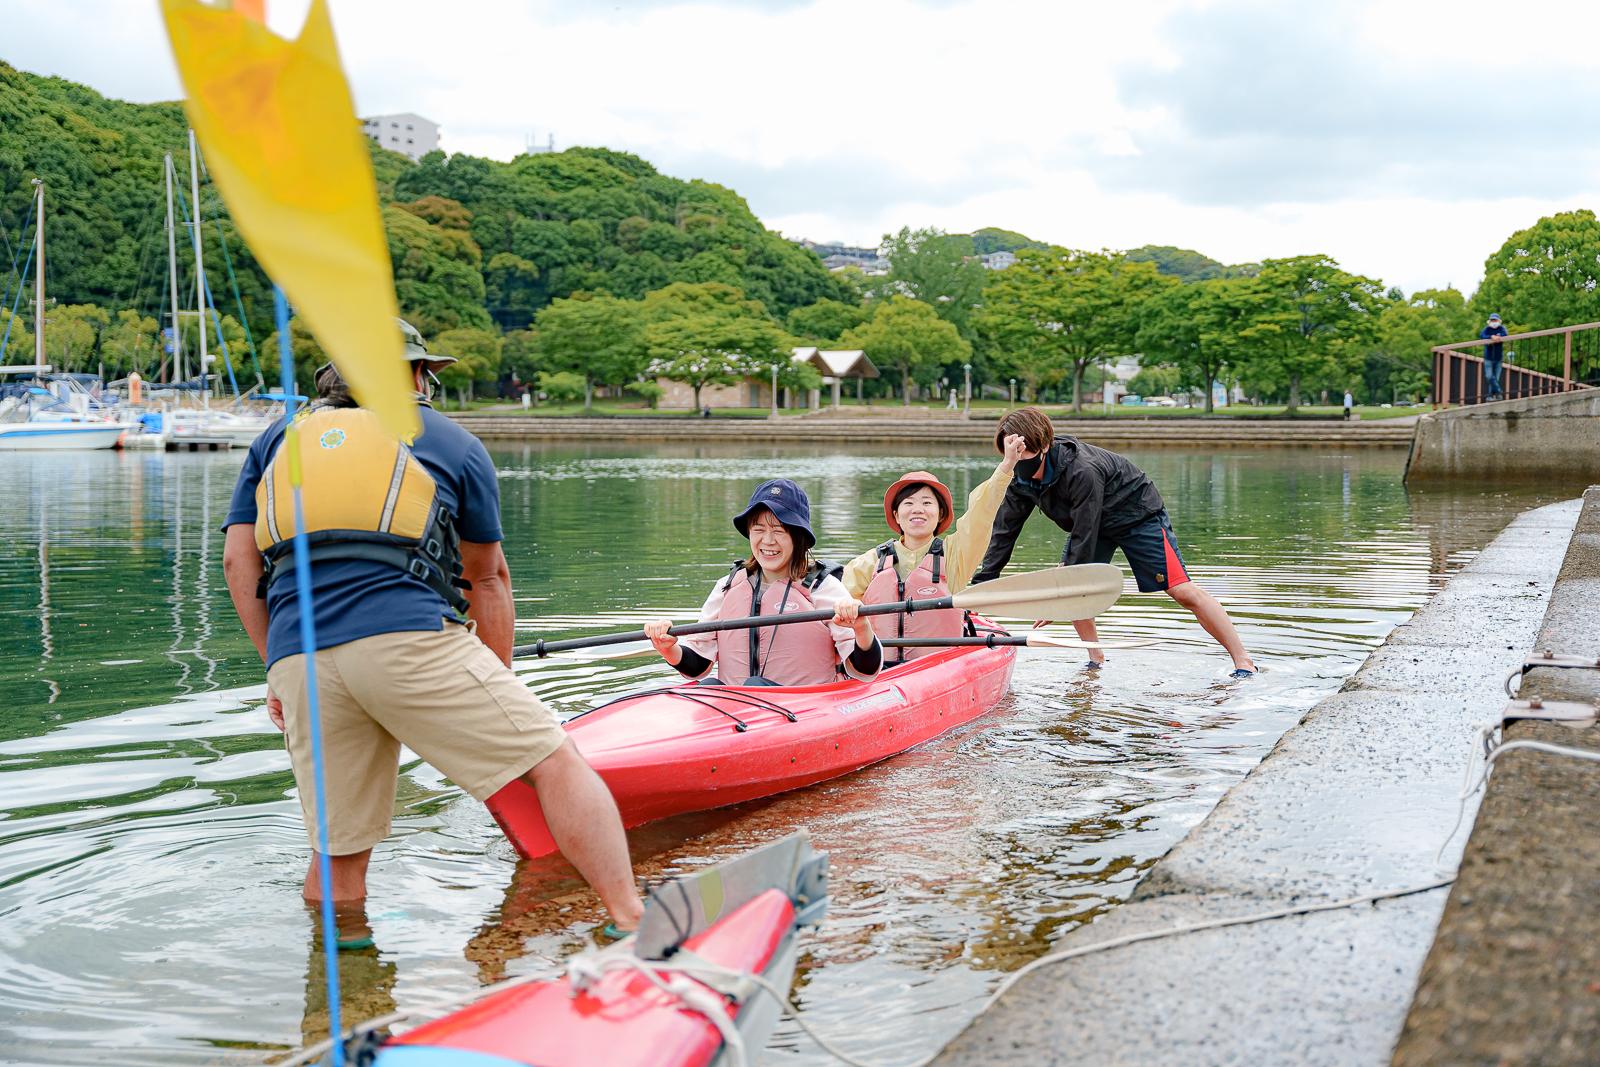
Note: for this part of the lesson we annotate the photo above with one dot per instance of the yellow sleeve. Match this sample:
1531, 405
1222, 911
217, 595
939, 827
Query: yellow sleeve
965, 545
858, 572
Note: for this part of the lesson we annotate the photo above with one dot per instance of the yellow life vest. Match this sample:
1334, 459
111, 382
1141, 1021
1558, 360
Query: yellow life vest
364, 496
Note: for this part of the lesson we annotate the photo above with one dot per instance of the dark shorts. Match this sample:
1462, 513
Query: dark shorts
1151, 550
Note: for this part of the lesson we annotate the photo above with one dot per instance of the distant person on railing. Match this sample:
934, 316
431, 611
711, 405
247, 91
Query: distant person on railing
1492, 354
1349, 404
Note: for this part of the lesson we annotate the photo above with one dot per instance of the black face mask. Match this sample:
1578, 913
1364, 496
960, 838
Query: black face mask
1027, 468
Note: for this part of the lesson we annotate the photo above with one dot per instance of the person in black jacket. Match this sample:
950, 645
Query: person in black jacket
1104, 503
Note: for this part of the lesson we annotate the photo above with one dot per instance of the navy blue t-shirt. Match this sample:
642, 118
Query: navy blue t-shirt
1492, 351
357, 598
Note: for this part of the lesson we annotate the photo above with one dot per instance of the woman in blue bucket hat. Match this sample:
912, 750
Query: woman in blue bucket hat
778, 577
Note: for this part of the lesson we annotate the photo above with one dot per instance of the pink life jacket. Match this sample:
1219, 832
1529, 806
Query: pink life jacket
800, 653
925, 581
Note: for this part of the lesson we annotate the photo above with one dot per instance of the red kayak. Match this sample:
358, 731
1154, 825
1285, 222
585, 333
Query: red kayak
616, 1015
693, 747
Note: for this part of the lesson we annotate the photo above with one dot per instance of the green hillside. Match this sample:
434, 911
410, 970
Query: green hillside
472, 240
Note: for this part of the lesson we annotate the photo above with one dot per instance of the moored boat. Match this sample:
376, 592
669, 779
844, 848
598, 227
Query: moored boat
693, 747
41, 435
643, 1002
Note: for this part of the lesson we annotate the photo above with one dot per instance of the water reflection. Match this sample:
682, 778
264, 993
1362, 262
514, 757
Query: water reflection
150, 844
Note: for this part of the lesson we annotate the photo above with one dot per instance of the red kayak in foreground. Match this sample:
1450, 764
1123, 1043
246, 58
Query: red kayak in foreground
740, 918
693, 747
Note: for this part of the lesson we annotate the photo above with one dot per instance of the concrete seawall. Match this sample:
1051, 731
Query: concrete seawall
942, 429
1354, 800
1514, 973
1511, 440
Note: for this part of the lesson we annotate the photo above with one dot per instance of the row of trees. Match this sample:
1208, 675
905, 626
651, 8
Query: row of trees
1283, 328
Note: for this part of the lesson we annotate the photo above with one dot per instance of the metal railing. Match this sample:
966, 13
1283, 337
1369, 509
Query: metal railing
1536, 363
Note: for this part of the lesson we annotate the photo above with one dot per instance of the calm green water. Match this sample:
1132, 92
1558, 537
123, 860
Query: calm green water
151, 849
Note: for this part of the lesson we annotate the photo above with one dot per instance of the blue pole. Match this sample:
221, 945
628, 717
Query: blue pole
233, 280
21, 287
18, 253
211, 303
308, 647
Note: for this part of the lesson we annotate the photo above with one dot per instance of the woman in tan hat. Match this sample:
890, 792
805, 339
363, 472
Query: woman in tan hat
923, 562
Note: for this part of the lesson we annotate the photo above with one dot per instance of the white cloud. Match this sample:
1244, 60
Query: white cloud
1242, 129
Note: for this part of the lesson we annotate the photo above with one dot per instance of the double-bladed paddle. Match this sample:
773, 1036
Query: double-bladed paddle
1064, 594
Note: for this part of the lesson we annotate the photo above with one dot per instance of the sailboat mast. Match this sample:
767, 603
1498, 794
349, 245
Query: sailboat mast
172, 287
38, 281
199, 275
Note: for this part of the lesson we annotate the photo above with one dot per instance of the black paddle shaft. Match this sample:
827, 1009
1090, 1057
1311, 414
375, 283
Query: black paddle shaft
986, 641
543, 648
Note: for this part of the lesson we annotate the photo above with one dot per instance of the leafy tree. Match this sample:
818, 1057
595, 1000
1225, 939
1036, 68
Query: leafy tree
563, 386
436, 275
19, 339
1399, 361
72, 335
1195, 329
1157, 380
907, 336
131, 343
595, 336
827, 320
935, 268
709, 334
1545, 276
509, 289
990, 239
1185, 264
477, 353
1305, 316
1058, 311
650, 392
696, 350
519, 354
308, 355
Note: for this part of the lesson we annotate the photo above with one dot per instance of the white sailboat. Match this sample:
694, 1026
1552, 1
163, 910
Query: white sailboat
41, 420
209, 427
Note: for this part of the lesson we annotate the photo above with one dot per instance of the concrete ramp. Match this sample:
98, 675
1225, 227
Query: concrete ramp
1354, 800
1536, 437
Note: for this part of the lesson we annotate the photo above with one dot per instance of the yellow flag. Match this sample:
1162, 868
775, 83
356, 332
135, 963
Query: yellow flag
282, 142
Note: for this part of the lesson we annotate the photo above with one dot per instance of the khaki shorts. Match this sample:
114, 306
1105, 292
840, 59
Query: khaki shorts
444, 695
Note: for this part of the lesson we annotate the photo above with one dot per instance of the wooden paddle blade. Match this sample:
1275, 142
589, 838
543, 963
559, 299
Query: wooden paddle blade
1061, 594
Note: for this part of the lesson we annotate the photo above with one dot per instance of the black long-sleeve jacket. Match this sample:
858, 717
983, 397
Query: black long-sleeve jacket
1088, 491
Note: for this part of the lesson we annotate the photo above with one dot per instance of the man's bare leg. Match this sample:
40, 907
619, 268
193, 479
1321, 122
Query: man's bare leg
1214, 620
584, 822
349, 878
1087, 632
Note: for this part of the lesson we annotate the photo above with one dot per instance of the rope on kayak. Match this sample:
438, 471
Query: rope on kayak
699, 696
688, 985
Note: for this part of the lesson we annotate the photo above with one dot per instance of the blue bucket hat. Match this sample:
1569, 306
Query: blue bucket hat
787, 502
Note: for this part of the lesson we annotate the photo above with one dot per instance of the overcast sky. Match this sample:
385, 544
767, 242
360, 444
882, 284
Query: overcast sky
1407, 139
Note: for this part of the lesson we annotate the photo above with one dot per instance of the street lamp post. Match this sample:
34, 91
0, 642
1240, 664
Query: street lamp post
774, 390
1013, 391
966, 405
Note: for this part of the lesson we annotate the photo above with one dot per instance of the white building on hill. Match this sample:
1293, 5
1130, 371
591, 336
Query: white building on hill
408, 134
